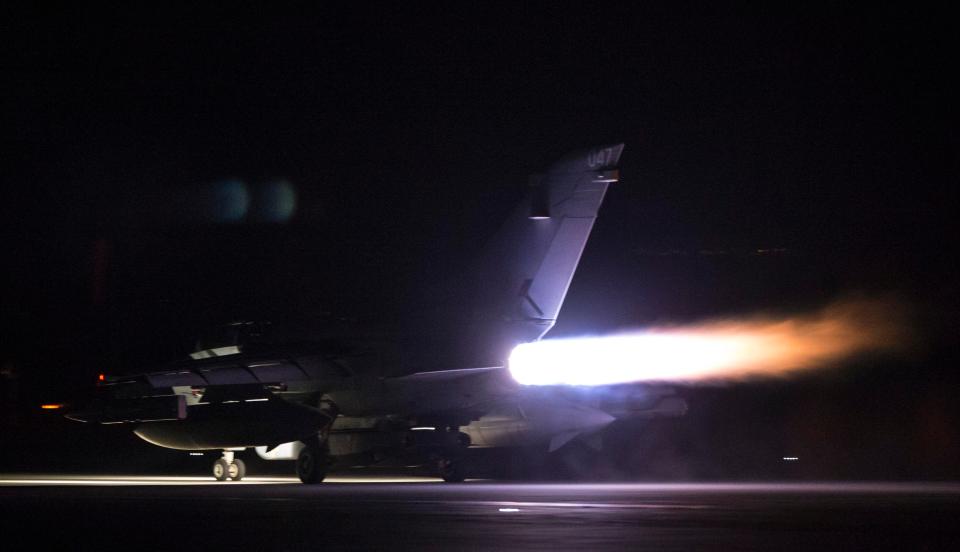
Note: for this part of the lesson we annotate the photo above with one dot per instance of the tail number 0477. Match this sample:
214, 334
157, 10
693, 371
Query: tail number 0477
600, 158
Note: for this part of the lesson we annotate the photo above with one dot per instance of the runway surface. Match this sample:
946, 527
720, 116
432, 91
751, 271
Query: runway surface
86, 513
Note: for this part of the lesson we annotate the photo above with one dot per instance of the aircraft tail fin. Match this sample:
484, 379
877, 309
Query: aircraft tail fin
526, 271
514, 291
564, 205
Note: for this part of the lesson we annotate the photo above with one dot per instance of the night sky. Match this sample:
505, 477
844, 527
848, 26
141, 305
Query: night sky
824, 136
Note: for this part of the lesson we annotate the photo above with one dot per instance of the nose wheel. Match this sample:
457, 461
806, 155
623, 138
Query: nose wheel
229, 467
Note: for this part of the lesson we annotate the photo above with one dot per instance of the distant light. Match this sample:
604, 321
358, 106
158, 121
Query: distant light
225, 201
196, 454
101, 377
423, 428
276, 201
509, 509
791, 458
56, 406
256, 400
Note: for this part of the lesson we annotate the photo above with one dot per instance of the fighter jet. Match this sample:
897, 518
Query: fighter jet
339, 400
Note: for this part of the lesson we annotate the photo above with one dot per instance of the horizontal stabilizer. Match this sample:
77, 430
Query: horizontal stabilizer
449, 375
562, 439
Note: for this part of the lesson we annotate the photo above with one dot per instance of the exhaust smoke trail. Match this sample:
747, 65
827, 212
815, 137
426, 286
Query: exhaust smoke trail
715, 351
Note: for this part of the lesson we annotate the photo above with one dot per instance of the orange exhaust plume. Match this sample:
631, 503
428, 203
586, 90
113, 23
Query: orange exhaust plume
718, 350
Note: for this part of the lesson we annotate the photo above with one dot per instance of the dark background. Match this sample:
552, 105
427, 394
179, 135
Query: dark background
825, 136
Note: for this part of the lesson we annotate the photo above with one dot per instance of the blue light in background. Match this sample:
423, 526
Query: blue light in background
227, 200
276, 201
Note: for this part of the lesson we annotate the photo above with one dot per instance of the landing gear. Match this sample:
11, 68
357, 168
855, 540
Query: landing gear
452, 470
237, 470
314, 458
312, 462
229, 467
221, 469
451, 462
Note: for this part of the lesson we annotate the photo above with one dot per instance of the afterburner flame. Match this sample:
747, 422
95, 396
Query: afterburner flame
714, 351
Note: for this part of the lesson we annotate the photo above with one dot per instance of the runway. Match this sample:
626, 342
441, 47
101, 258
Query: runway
80, 512
148, 480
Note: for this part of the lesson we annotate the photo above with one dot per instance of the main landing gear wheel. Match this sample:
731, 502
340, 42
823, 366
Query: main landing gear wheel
237, 470
452, 471
221, 469
312, 464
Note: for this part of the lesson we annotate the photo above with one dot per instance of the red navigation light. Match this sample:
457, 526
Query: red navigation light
101, 377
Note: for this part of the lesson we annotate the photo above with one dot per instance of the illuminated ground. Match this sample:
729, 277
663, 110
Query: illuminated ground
396, 513
128, 480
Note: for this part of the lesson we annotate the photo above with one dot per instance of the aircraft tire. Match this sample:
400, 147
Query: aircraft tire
452, 471
221, 469
238, 470
311, 465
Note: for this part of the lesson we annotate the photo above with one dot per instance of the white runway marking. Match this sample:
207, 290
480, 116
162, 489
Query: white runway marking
516, 506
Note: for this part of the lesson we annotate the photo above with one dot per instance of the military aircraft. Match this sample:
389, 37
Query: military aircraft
327, 400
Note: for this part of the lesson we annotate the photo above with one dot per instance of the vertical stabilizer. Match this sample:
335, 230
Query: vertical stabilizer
519, 285
514, 293
532, 260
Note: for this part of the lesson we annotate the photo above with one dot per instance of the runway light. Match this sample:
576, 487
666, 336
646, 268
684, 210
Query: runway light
726, 350
51, 406
423, 428
508, 510
791, 458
